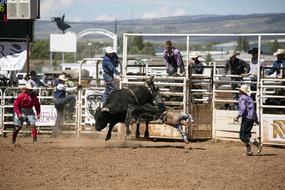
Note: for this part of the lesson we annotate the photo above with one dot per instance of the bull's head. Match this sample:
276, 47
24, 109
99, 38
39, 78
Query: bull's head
101, 119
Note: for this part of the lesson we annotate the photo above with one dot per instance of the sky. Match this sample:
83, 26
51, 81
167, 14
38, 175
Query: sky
109, 10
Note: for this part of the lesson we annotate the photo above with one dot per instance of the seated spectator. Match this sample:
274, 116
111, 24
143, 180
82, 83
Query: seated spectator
173, 60
276, 65
197, 65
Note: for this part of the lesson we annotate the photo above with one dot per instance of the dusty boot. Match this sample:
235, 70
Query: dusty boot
14, 134
258, 145
248, 151
34, 134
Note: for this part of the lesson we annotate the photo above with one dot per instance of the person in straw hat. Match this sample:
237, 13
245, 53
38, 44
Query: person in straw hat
248, 117
63, 102
23, 108
197, 65
276, 65
237, 67
111, 74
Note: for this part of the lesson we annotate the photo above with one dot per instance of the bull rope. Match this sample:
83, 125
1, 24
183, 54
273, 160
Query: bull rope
132, 92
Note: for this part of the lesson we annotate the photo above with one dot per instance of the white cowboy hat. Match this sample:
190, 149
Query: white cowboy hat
28, 86
279, 51
194, 55
109, 49
232, 53
62, 77
244, 88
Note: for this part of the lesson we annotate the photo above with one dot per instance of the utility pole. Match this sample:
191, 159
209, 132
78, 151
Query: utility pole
116, 25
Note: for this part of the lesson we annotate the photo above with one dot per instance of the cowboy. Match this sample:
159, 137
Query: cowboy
276, 65
249, 117
35, 82
63, 102
197, 65
173, 59
111, 74
23, 108
254, 69
237, 67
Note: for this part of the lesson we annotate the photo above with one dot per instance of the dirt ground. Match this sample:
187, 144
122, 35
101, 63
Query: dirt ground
91, 163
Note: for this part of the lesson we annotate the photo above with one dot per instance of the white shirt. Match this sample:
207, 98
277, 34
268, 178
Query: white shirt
254, 66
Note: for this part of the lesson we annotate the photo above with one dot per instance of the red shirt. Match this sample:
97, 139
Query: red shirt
26, 100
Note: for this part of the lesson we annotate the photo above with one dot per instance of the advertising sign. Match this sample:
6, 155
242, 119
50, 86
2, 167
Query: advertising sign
48, 116
13, 55
276, 129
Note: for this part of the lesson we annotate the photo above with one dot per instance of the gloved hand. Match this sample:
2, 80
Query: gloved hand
21, 117
117, 77
235, 119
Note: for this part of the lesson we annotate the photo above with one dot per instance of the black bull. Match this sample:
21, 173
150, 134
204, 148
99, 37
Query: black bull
119, 106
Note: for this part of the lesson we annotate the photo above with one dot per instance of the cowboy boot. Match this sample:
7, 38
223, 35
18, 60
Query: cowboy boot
34, 134
15, 133
248, 150
258, 145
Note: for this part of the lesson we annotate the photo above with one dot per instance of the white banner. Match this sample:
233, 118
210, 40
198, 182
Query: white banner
276, 128
48, 116
63, 42
13, 55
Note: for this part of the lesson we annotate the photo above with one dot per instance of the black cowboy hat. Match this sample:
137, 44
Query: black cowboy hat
253, 51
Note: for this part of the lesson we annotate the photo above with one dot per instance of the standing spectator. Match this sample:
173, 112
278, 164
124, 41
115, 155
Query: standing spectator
62, 102
197, 65
237, 67
276, 65
254, 69
13, 81
249, 117
197, 68
111, 74
35, 82
23, 108
173, 59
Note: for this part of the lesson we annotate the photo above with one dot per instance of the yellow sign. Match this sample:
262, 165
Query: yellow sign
278, 130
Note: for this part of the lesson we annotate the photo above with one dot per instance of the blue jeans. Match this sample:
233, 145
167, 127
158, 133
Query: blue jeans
68, 102
110, 87
245, 129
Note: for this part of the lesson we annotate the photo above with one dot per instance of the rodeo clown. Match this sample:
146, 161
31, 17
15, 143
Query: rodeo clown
23, 111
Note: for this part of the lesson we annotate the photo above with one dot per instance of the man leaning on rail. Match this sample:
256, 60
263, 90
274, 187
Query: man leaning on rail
237, 67
173, 60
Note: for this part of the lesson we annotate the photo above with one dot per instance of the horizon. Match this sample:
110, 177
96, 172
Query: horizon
86, 10
253, 14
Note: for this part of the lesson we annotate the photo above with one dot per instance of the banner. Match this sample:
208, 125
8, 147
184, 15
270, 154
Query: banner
63, 42
48, 116
13, 55
276, 129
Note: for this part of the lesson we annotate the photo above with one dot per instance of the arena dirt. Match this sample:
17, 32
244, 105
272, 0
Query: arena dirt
91, 163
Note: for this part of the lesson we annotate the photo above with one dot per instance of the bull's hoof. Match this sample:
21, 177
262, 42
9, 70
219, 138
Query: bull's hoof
188, 146
107, 138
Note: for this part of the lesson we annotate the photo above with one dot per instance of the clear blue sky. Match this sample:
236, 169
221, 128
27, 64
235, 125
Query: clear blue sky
91, 10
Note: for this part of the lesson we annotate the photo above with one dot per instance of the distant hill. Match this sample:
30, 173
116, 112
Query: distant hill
256, 23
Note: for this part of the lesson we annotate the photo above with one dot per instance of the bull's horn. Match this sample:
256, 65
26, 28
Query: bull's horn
105, 109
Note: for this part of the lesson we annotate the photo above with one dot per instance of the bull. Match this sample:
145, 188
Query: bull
119, 105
